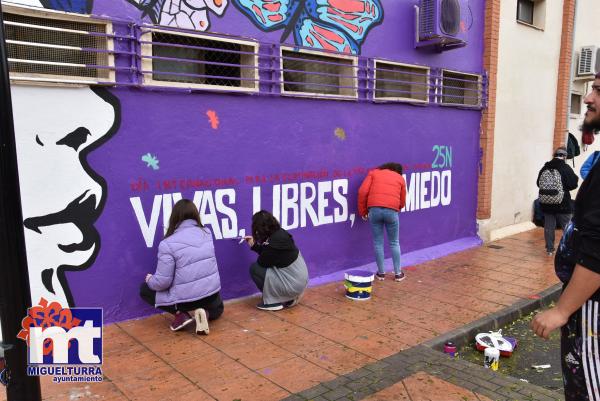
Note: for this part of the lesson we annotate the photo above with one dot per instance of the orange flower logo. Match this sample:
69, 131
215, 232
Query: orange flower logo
47, 315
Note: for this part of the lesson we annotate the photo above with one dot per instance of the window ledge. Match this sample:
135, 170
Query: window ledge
537, 28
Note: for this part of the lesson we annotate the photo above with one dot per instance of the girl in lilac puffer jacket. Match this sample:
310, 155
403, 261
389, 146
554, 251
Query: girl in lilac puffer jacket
187, 277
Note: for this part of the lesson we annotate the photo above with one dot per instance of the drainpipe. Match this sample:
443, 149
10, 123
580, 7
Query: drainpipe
15, 297
572, 72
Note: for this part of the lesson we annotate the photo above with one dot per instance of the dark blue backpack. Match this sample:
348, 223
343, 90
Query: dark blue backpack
566, 254
538, 215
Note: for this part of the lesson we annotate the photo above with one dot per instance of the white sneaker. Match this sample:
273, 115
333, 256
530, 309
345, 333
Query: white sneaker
201, 321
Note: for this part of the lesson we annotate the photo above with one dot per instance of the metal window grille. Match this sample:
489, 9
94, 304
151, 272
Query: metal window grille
318, 74
461, 89
401, 82
52, 49
586, 60
187, 60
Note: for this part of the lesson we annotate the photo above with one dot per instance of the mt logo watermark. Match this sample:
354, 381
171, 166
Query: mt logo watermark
63, 342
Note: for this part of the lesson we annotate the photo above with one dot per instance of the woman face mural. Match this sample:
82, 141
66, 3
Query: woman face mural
61, 195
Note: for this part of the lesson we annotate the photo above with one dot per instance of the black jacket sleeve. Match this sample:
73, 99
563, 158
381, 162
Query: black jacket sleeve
279, 251
570, 179
587, 220
257, 248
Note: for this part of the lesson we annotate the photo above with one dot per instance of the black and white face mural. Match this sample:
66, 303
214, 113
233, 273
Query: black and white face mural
61, 195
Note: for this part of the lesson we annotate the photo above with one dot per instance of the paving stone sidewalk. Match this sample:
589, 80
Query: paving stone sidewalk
421, 373
329, 347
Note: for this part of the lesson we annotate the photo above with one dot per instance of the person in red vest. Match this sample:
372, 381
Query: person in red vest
380, 197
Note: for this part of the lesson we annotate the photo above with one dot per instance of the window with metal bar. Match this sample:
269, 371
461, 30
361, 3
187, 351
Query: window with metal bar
43, 46
532, 12
180, 59
318, 74
461, 89
395, 81
525, 11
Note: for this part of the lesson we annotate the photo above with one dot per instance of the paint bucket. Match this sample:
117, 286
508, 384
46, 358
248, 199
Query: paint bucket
359, 284
491, 358
450, 349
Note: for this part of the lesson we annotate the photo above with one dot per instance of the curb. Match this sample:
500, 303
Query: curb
429, 358
495, 320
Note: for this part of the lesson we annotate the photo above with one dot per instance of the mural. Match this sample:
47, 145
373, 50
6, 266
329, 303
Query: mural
188, 14
95, 209
74, 6
61, 195
335, 25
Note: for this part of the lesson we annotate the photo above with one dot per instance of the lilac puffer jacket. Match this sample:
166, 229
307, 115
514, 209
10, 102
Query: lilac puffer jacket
187, 267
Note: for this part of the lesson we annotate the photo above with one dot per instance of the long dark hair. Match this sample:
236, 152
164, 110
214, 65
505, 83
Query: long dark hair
264, 224
183, 210
397, 167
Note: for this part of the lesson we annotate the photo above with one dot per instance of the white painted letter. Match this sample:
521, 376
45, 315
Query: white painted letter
340, 189
255, 199
436, 188
425, 176
306, 204
323, 187
148, 229
276, 200
208, 214
288, 203
229, 230
446, 187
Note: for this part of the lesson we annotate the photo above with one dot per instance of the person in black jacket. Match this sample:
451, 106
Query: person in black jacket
555, 180
577, 310
280, 271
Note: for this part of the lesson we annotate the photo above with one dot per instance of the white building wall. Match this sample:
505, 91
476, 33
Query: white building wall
587, 32
525, 107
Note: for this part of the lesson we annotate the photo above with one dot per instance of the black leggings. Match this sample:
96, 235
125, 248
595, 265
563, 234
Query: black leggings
258, 274
213, 304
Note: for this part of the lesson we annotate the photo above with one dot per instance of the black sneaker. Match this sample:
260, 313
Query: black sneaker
380, 276
273, 307
399, 277
291, 303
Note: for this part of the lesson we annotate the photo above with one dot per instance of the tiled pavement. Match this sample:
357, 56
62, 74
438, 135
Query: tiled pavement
329, 347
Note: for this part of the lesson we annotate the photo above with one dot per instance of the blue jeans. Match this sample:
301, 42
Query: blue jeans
380, 217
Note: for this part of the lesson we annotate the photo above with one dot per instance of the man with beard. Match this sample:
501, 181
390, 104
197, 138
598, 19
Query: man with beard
577, 264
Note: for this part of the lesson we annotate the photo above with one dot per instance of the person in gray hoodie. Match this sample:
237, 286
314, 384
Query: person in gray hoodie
187, 277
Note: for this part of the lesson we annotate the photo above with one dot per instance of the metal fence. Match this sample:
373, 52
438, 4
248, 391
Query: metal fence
57, 50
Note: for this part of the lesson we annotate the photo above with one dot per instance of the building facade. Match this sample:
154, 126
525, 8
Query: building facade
536, 98
124, 107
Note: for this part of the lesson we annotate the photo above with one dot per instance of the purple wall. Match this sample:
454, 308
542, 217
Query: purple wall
265, 136
269, 136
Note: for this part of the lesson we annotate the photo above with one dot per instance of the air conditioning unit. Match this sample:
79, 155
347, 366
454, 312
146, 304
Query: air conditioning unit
589, 61
442, 24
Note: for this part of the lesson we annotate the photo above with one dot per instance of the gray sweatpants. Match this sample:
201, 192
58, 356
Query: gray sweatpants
550, 221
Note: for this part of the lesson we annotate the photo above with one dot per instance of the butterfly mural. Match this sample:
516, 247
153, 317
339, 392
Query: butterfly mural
336, 25
188, 14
